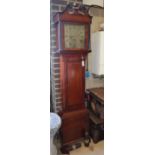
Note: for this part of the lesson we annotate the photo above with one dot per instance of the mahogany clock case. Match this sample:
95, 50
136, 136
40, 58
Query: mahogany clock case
73, 48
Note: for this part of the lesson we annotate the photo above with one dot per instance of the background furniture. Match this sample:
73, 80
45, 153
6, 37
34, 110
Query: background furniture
95, 105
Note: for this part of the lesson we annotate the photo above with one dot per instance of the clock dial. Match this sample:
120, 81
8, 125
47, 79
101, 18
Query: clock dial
74, 36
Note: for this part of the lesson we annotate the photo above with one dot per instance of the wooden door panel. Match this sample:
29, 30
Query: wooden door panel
74, 83
74, 125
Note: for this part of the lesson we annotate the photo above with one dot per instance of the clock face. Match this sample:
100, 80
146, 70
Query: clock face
74, 36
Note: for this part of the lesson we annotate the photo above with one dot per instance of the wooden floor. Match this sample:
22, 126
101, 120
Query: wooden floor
93, 149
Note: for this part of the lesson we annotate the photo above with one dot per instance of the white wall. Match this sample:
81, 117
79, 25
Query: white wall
93, 2
95, 26
97, 42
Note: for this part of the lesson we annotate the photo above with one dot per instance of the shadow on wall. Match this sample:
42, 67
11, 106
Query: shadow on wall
51, 101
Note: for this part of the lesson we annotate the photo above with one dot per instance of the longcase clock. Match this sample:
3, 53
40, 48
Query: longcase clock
73, 45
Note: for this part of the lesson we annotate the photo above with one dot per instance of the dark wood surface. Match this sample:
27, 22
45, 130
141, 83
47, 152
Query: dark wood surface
72, 77
71, 51
66, 17
96, 120
98, 93
95, 99
72, 81
74, 125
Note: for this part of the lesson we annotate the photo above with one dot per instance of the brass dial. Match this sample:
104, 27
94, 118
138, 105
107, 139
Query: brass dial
74, 36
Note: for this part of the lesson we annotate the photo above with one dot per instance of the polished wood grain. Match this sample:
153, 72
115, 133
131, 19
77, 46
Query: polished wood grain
98, 94
73, 81
65, 16
72, 77
74, 125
